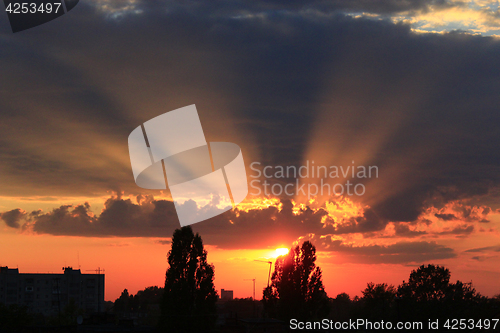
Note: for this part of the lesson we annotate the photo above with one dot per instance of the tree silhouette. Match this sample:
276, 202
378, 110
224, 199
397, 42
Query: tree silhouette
140, 302
189, 296
381, 292
427, 283
122, 303
297, 289
148, 296
341, 307
429, 293
378, 300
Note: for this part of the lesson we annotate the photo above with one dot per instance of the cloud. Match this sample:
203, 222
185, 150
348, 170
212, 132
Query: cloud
254, 226
403, 230
460, 230
257, 226
120, 217
285, 86
397, 253
459, 210
12, 217
227, 6
485, 249
423, 15
369, 221
390, 6
149, 217
263, 227
446, 217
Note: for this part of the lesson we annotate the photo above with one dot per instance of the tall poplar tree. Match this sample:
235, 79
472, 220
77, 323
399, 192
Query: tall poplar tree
189, 297
297, 289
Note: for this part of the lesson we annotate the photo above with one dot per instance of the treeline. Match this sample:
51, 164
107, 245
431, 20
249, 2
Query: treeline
297, 292
187, 302
143, 301
428, 294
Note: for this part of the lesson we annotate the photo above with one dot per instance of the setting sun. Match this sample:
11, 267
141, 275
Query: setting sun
281, 251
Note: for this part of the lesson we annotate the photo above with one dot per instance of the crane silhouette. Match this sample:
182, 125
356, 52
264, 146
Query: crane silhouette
270, 263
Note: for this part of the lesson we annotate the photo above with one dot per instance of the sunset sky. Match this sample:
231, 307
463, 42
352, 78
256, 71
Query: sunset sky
410, 87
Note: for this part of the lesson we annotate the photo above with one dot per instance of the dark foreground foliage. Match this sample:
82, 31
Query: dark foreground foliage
189, 295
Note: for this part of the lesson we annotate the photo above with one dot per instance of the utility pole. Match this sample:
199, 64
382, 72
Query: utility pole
270, 264
253, 286
253, 299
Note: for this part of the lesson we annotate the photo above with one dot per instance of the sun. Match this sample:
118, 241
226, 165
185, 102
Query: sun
281, 251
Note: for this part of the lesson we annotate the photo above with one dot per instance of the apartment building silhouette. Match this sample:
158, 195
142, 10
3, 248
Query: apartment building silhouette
50, 293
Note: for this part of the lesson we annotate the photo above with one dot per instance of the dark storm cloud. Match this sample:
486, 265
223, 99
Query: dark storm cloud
147, 217
429, 102
12, 218
372, 6
276, 225
366, 223
120, 217
261, 228
255, 228
388, 6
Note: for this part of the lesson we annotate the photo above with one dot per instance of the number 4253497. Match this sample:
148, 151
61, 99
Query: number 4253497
461, 324
32, 8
